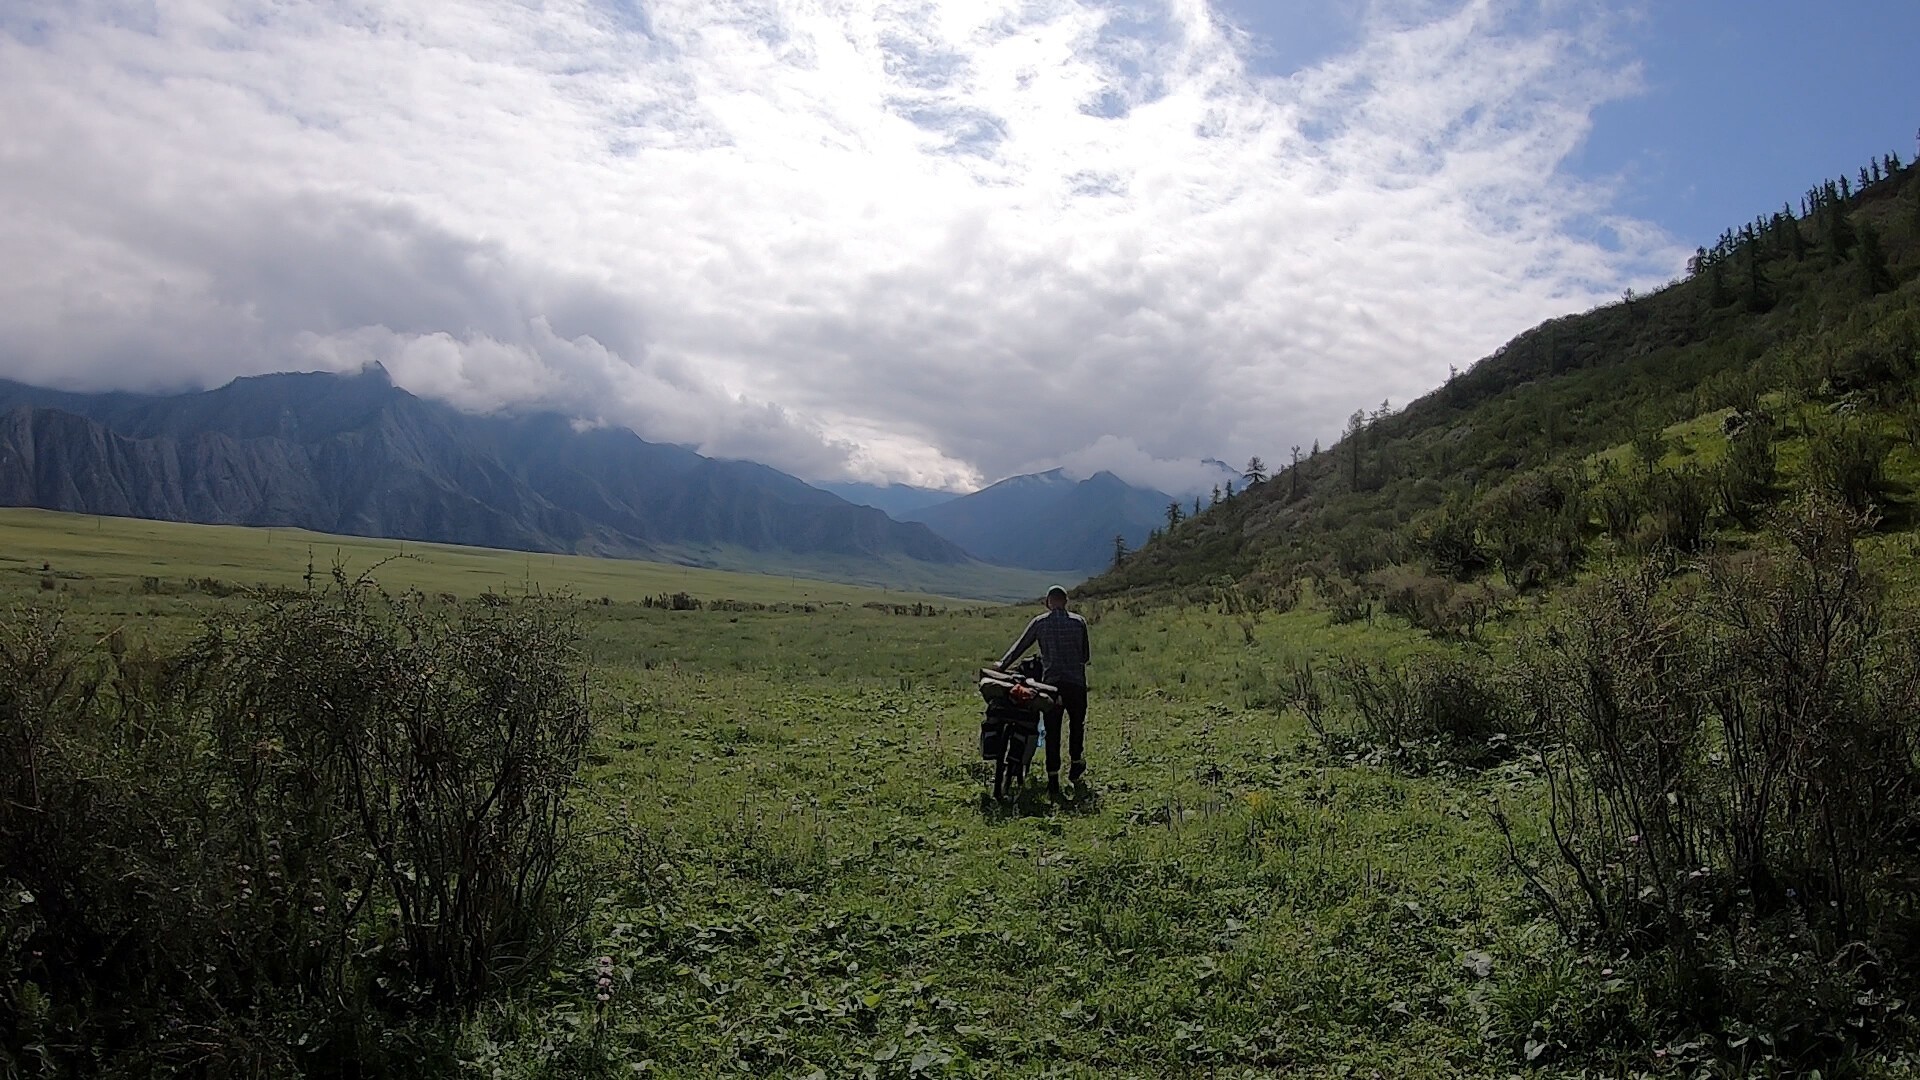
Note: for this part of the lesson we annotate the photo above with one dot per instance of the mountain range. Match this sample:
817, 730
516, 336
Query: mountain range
355, 454
1049, 521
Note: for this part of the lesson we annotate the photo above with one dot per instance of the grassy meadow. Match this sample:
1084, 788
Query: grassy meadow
794, 870
116, 551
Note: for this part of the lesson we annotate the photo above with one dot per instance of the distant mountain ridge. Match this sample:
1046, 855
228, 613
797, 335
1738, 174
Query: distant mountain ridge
893, 499
1049, 521
355, 454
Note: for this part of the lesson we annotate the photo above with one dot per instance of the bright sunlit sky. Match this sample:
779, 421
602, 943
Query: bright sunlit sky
929, 242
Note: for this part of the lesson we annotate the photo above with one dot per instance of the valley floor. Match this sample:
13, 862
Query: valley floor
795, 871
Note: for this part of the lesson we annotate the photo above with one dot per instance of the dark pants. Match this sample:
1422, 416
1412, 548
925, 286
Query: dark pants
1073, 705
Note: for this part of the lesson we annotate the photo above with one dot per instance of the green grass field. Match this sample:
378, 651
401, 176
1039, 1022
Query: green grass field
116, 552
798, 874
795, 870
813, 882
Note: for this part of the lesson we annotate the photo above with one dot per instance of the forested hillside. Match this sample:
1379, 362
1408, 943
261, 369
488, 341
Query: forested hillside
1797, 331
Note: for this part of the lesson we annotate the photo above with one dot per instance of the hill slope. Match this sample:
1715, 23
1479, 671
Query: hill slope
357, 455
1817, 306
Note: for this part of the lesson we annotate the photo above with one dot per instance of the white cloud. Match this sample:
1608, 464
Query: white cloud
936, 242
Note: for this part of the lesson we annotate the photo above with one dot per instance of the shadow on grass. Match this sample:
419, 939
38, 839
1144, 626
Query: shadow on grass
1899, 511
1033, 800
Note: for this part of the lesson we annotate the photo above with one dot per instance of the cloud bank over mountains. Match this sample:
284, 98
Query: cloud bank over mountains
933, 242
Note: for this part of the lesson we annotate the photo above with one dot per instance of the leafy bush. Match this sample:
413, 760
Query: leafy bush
1454, 705
1535, 525
291, 847
1735, 801
1745, 480
1436, 605
1847, 460
1680, 505
1619, 499
1345, 601
1449, 543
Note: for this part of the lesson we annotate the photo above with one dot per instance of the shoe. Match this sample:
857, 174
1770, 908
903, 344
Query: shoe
1078, 770
1053, 785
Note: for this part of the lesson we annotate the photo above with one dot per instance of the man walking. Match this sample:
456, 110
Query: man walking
1064, 654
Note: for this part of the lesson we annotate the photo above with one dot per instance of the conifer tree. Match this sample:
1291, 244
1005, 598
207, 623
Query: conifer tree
1174, 515
1356, 430
1717, 285
1119, 550
1759, 289
1839, 234
1649, 442
1873, 262
1256, 471
1216, 496
1293, 475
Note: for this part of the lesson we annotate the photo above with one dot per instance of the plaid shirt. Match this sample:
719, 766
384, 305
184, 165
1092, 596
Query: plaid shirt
1064, 648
